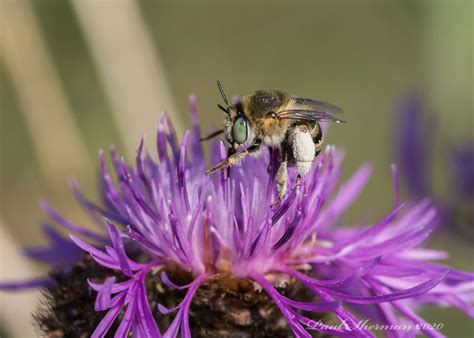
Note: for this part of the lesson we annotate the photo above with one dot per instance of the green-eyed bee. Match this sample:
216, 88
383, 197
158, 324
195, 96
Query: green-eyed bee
278, 120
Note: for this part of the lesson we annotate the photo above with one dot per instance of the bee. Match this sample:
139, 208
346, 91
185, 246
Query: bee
279, 121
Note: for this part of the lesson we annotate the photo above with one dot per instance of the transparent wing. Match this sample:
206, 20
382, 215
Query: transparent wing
307, 115
319, 106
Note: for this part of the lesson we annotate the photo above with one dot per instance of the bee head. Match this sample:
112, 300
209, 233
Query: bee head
237, 125
240, 126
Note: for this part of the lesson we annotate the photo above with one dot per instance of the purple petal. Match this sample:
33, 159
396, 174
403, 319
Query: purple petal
117, 287
147, 244
182, 172
412, 146
317, 325
283, 208
295, 326
289, 232
171, 285
146, 321
102, 301
181, 318
33, 283
192, 222
99, 256
60, 250
108, 319
311, 306
119, 249
409, 293
371, 231
345, 196
126, 323
255, 248
93, 210
197, 151
164, 310
69, 225
397, 243
396, 186
462, 169
338, 283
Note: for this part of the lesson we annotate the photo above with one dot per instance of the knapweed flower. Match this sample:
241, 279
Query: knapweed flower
186, 254
414, 139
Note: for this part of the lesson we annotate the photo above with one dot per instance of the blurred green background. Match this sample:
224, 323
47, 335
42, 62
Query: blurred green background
81, 75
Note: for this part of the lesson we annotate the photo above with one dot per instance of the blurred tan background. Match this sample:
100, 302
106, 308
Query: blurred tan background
80, 75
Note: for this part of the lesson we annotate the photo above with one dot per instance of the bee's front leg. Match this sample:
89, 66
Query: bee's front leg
230, 151
234, 158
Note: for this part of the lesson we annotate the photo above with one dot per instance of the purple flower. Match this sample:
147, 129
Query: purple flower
462, 170
415, 136
413, 142
168, 219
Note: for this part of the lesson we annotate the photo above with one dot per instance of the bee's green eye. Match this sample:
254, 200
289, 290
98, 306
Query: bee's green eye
239, 130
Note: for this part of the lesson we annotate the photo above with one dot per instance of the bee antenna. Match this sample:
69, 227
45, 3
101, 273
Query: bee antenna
221, 89
225, 110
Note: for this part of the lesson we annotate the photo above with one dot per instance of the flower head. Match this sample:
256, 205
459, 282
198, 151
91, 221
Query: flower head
207, 247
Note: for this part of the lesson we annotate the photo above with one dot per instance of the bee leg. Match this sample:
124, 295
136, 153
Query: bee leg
298, 181
303, 150
231, 151
212, 135
297, 186
269, 168
234, 158
281, 178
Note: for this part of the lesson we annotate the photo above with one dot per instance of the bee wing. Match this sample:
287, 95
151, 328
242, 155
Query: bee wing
307, 115
309, 110
309, 104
